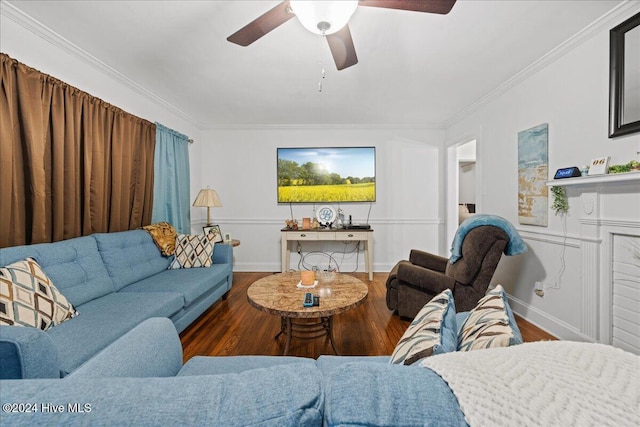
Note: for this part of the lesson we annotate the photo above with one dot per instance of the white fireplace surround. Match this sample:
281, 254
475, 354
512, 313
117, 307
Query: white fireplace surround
608, 207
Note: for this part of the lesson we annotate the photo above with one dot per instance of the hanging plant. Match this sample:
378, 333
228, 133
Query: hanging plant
560, 202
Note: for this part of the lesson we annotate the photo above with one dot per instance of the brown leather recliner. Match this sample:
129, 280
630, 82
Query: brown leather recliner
411, 284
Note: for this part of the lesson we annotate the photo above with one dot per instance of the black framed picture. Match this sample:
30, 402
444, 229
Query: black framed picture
215, 230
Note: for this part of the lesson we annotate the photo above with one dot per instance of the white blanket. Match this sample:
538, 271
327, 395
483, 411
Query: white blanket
549, 383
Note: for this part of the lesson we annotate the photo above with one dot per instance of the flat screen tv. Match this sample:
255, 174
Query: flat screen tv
326, 175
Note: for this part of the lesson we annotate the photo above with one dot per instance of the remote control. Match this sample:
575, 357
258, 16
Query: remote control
308, 300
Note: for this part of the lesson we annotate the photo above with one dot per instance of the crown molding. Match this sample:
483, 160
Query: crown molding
605, 22
608, 20
38, 28
326, 126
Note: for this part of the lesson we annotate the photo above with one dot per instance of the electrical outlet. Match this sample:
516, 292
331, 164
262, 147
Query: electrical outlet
538, 288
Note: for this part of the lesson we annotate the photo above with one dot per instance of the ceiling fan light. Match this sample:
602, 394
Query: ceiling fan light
323, 17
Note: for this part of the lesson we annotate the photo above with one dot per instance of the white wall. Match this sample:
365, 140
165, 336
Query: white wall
570, 93
240, 163
467, 183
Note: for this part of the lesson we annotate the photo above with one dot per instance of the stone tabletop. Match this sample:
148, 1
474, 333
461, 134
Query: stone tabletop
278, 294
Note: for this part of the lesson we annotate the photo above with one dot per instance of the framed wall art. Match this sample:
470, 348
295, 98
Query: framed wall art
215, 230
533, 172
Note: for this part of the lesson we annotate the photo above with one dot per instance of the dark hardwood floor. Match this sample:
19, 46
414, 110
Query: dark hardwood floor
233, 327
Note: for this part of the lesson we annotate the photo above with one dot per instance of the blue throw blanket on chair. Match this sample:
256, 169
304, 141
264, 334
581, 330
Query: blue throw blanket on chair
515, 246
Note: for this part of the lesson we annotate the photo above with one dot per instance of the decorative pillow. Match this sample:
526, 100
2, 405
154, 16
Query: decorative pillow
29, 298
433, 331
490, 324
164, 236
193, 251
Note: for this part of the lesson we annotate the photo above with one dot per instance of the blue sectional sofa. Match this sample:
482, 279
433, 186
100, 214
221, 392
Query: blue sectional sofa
115, 281
140, 380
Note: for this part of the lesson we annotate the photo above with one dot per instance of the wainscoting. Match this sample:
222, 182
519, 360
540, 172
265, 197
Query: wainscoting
259, 249
592, 291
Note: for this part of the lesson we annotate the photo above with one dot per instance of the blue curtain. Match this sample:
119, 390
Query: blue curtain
171, 180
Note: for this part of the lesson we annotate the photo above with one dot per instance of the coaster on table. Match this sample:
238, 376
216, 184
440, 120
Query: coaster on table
300, 285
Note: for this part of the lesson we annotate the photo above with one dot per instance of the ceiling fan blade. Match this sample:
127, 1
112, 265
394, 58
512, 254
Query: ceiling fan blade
262, 25
342, 48
431, 6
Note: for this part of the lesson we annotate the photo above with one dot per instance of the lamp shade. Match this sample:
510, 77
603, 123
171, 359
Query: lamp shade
324, 17
207, 198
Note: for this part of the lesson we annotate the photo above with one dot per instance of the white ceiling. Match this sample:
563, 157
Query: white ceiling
414, 68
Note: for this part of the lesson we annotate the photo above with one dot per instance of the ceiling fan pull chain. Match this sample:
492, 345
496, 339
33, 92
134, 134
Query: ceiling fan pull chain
322, 72
322, 75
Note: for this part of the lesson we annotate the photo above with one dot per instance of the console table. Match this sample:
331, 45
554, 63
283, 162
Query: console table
335, 234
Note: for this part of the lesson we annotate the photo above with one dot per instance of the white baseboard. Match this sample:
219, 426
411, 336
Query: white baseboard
275, 267
546, 322
251, 267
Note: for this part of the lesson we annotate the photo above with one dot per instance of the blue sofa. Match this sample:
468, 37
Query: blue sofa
115, 281
140, 380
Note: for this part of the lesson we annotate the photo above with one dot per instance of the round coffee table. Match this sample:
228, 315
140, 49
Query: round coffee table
278, 294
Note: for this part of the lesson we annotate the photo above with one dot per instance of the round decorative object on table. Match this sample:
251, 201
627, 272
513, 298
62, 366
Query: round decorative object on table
279, 294
326, 215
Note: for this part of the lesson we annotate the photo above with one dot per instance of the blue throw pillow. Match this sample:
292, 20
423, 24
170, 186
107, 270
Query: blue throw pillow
433, 331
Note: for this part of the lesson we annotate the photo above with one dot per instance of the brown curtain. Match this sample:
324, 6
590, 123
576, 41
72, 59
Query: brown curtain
70, 164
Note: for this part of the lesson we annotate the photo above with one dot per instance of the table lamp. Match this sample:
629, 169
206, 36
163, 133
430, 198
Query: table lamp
207, 198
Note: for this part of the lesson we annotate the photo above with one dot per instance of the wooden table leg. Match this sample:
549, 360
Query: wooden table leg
283, 327
289, 332
330, 333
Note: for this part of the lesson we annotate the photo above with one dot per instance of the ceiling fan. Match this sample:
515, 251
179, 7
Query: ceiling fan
329, 19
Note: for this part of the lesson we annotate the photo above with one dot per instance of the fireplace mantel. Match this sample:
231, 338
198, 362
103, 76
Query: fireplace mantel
607, 207
613, 178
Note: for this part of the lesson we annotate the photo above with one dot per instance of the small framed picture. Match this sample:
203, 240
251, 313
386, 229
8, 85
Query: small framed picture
227, 238
215, 230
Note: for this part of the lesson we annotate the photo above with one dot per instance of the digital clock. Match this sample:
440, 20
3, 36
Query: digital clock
567, 173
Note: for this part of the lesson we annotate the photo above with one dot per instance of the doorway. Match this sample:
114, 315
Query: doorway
462, 185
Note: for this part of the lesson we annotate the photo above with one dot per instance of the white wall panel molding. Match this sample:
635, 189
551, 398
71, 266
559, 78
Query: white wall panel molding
590, 253
603, 222
279, 222
569, 240
259, 248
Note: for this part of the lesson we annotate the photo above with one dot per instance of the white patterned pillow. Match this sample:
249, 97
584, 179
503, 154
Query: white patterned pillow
490, 324
29, 298
433, 331
193, 251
